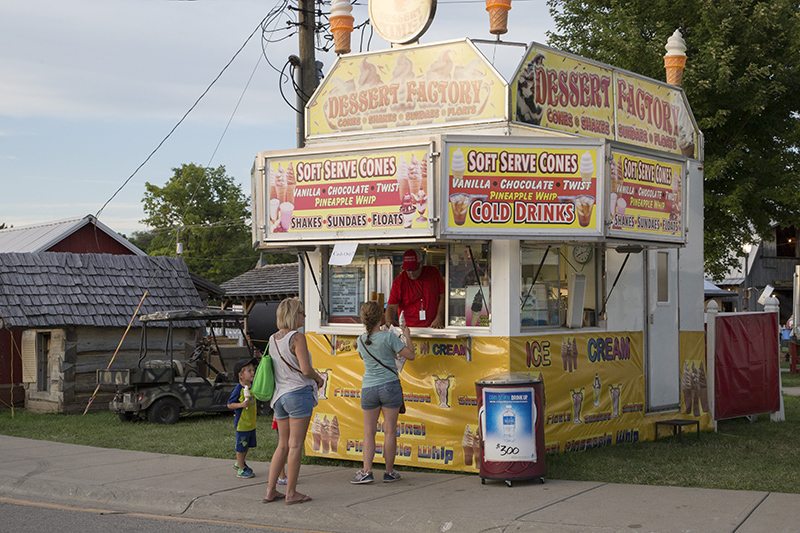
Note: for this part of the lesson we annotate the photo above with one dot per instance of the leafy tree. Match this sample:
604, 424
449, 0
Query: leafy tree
210, 213
742, 79
142, 239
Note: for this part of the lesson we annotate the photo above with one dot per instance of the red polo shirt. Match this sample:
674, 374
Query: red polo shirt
411, 295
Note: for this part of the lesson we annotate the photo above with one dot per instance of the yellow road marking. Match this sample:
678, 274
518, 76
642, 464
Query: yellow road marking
151, 516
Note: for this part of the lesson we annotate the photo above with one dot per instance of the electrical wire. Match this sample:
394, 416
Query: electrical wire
97, 215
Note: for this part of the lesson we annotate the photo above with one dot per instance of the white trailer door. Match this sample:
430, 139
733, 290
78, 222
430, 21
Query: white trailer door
662, 363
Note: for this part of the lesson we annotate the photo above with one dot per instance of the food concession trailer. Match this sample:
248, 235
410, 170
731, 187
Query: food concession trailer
564, 210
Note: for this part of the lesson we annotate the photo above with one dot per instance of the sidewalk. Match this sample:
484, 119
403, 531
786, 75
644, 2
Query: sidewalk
201, 488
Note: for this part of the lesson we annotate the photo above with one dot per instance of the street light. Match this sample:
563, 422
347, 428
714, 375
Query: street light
746, 248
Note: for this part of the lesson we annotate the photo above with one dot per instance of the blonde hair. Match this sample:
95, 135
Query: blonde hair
287, 313
371, 315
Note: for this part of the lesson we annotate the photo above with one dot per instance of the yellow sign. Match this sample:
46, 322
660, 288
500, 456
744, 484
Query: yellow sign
370, 192
564, 92
450, 83
594, 394
521, 187
646, 196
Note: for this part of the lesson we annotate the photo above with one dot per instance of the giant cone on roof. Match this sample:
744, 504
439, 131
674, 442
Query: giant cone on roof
498, 15
675, 58
341, 25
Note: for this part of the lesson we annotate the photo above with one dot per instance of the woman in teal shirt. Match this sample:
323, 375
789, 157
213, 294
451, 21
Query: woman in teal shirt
381, 390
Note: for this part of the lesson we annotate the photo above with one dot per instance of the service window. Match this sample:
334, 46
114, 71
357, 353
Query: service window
466, 269
559, 285
346, 289
469, 285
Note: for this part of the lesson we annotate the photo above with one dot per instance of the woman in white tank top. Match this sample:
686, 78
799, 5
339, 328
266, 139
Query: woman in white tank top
296, 384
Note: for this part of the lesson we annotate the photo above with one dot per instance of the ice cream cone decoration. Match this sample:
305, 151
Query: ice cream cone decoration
498, 15
341, 25
675, 58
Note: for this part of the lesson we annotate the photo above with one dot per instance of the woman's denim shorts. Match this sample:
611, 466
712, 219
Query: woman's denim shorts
296, 404
389, 395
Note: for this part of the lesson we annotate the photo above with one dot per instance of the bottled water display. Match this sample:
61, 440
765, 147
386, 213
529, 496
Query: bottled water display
509, 424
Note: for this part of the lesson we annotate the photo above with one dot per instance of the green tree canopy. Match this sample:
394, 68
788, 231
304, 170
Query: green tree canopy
211, 213
742, 79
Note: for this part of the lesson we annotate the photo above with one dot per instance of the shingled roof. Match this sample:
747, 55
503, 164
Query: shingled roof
52, 289
265, 283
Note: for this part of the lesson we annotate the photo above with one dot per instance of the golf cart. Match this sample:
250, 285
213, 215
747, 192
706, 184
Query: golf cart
161, 389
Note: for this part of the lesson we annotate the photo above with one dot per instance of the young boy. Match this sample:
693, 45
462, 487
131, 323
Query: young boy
244, 417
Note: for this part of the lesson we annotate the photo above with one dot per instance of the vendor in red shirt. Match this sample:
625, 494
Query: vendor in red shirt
418, 292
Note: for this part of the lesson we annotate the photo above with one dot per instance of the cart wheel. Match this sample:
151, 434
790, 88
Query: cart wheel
483, 481
508, 482
541, 480
164, 411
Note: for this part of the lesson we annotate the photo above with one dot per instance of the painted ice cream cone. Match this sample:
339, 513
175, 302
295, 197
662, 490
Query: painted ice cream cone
326, 435
291, 183
335, 435
402, 177
316, 433
686, 387
280, 183
703, 388
675, 58
695, 392
498, 15
458, 165
467, 445
341, 25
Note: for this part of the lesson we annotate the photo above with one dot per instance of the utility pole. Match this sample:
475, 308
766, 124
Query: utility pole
308, 71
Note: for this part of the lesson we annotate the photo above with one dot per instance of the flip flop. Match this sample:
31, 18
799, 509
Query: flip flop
278, 496
304, 499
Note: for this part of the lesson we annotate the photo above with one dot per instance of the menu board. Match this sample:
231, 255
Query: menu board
561, 91
645, 197
353, 193
512, 188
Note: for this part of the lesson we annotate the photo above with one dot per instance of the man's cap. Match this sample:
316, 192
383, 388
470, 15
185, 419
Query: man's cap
243, 363
411, 259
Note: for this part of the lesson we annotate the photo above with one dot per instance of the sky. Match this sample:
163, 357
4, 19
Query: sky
89, 88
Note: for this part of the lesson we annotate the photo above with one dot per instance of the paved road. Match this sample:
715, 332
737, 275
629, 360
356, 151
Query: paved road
205, 489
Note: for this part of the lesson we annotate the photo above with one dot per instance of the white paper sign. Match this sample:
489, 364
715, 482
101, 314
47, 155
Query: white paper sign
342, 254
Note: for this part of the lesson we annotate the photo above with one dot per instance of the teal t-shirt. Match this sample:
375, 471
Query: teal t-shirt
385, 345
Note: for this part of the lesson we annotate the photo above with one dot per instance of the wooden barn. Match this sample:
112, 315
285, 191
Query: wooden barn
69, 313
77, 235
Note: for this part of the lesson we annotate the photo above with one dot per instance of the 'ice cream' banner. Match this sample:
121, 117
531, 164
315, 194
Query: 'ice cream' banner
557, 90
594, 395
359, 193
518, 187
645, 197
448, 83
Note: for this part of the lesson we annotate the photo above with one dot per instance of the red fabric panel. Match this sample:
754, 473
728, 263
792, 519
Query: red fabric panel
747, 369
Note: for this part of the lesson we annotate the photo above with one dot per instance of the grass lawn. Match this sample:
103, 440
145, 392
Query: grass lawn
761, 456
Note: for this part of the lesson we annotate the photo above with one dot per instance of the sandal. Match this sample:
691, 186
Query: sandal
305, 498
277, 496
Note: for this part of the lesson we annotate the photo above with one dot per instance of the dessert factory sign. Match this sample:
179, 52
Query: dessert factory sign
560, 91
450, 83
401, 22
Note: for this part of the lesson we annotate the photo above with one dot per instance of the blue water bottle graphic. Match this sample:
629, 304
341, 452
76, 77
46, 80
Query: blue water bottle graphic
509, 424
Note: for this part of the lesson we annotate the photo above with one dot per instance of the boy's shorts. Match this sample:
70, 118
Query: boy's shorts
245, 440
389, 395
